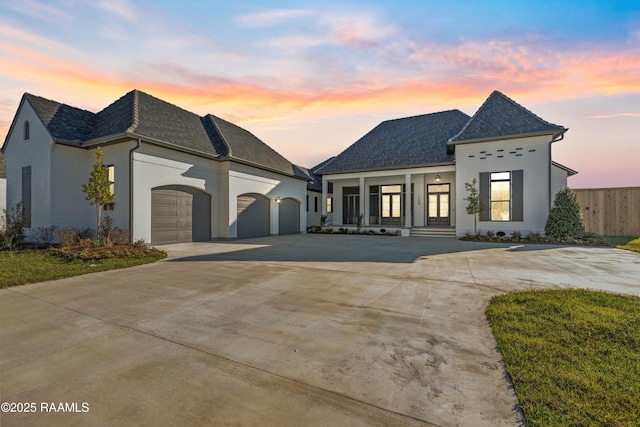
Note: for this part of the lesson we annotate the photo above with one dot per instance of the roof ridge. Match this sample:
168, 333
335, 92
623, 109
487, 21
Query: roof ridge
135, 117
472, 118
219, 132
453, 110
522, 107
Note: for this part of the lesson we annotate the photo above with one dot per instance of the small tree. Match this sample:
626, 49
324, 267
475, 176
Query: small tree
565, 218
475, 205
98, 188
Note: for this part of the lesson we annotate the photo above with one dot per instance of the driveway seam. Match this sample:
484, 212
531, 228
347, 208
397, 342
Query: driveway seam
323, 390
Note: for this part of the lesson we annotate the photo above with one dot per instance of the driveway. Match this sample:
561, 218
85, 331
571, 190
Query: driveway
292, 330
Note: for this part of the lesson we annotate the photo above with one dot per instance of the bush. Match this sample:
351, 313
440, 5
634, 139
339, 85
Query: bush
44, 235
13, 226
565, 219
74, 236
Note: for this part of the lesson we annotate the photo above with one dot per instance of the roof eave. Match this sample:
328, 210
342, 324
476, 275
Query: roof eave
568, 170
554, 132
124, 136
421, 165
261, 167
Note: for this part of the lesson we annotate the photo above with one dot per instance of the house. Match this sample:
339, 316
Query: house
177, 176
3, 184
410, 173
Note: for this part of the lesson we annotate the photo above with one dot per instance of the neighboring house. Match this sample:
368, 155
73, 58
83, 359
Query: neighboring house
410, 173
177, 177
3, 186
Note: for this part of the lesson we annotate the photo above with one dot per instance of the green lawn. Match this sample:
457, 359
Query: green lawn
18, 268
573, 355
633, 245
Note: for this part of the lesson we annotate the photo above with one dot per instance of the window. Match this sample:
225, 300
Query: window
500, 196
111, 177
329, 204
307, 203
26, 195
315, 204
25, 130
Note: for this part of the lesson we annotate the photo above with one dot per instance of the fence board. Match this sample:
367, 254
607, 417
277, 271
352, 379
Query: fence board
611, 211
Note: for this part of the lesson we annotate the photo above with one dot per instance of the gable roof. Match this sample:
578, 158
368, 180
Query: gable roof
501, 117
401, 143
140, 115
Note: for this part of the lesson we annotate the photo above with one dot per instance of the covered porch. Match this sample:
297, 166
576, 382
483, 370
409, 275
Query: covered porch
391, 199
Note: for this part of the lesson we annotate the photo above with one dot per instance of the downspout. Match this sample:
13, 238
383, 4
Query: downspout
555, 139
131, 187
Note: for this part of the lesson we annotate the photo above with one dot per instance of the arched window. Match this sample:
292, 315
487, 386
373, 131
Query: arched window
26, 130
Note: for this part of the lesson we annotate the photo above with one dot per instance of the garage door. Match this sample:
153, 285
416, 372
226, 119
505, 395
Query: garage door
253, 216
180, 214
289, 216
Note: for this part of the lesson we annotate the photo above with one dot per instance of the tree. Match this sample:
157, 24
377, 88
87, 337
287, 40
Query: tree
98, 188
475, 205
565, 218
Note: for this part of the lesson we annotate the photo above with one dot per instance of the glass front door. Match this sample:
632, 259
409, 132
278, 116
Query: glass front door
438, 204
391, 208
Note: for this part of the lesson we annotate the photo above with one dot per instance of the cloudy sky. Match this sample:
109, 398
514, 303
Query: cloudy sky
311, 77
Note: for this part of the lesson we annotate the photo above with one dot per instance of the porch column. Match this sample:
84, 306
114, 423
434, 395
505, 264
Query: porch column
407, 197
361, 208
325, 193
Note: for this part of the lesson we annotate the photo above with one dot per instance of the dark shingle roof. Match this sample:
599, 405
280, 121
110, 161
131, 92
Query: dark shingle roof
243, 145
166, 122
500, 116
63, 121
145, 116
401, 143
315, 184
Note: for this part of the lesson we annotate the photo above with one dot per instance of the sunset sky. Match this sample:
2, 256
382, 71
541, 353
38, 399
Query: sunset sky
311, 77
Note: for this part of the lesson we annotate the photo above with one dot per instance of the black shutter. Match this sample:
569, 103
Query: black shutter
485, 196
517, 199
26, 195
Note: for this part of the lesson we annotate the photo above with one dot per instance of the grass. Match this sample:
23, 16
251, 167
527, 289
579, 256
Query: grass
633, 245
21, 267
573, 355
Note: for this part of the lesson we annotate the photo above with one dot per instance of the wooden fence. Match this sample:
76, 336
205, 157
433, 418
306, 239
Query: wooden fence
611, 211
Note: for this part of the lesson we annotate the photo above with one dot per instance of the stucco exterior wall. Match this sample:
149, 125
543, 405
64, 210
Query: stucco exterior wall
558, 180
313, 217
528, 154
244, 179
36, 152
155, 166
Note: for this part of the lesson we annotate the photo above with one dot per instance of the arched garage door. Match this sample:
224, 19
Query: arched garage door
180, 214
253, 216
289, 216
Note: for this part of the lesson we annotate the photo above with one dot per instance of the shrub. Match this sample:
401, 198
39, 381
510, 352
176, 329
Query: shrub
107, 230
44, 235
489, 234
533, 237
565, 218
13, 226
516, 235
74, 236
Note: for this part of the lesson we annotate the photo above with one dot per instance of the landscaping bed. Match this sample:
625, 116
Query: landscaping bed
32, 265
586, 239
573, 356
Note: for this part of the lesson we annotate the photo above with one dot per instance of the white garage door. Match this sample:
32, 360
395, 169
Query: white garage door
180, 214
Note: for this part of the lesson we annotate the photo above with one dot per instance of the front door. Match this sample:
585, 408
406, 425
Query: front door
438, 204
391, 209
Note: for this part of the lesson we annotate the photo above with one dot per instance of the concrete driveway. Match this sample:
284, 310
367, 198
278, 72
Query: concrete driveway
294, 330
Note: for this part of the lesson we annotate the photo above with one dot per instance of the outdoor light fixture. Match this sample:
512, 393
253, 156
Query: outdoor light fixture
278, 200
437, 178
